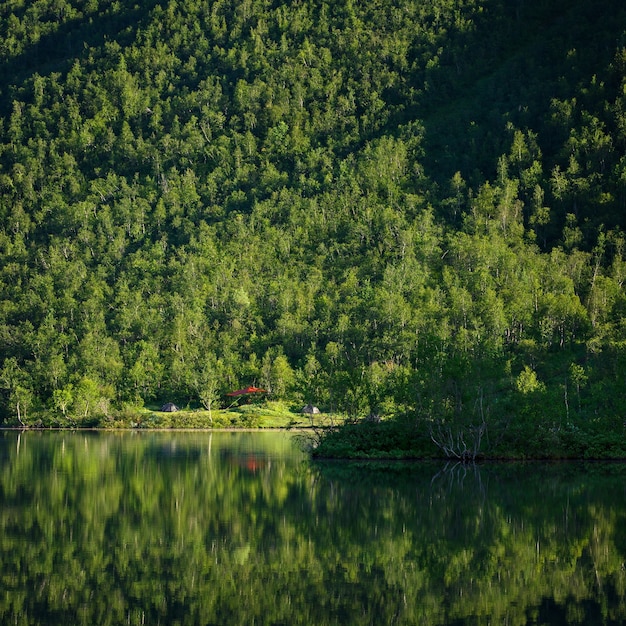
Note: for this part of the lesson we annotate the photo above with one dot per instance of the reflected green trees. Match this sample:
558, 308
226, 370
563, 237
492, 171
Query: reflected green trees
238, 528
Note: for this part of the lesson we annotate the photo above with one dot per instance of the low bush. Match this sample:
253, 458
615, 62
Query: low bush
401, 439
369, 440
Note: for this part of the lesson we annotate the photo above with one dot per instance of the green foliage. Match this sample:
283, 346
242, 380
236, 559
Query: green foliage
371, 440
527, 382
380, 210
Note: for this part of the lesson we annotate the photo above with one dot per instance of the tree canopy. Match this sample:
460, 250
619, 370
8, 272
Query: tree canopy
381, 208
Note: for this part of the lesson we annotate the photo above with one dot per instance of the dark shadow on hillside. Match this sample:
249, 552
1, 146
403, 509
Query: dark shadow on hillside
56, 51
539, 51
503, 63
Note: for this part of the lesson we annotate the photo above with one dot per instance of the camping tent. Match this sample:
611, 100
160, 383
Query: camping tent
169, 407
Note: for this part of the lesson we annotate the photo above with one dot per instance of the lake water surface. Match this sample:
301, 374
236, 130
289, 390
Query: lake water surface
240, 528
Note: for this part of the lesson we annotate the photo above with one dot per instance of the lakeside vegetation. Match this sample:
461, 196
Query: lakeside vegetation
403, 440
409, 210
264, 415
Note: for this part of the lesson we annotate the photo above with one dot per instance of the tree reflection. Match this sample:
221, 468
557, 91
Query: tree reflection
239, 528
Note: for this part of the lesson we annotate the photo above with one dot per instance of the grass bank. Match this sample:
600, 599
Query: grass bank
266, 414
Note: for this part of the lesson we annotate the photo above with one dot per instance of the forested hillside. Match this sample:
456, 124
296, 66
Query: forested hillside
407, 207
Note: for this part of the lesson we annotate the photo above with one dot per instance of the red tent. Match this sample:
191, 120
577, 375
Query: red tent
245, 391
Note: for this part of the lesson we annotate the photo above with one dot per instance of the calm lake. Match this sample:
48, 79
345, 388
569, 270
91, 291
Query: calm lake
240, 528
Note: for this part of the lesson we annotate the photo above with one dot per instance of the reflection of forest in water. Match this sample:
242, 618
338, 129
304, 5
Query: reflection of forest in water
236, 528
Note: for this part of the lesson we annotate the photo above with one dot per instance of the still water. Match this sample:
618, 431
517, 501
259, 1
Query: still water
240, 528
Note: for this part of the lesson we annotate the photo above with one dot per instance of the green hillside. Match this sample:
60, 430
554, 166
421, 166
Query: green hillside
411, 209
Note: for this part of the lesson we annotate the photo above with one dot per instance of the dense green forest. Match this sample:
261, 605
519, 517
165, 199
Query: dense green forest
411, 208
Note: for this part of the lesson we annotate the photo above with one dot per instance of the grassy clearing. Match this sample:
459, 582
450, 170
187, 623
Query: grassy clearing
267, 414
